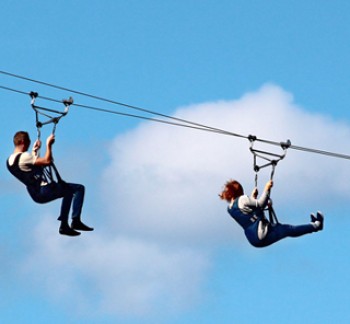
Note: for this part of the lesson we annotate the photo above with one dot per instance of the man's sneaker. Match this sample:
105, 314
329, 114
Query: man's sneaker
77, 224
66, 230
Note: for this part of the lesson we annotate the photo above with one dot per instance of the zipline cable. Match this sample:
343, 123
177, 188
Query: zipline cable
189, 123
112, 102
184, 123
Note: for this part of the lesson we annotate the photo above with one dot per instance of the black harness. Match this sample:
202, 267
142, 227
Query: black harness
32, 178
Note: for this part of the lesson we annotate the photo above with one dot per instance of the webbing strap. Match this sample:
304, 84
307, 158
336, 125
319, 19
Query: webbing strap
272, 215
51, 174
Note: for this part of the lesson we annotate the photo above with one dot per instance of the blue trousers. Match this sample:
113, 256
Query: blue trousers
72, 194
276, 232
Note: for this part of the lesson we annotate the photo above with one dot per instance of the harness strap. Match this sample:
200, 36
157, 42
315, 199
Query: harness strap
58, 177
29, 179
272, 215
253, 218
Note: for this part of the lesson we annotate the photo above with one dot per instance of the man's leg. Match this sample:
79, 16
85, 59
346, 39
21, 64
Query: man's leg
63, 190
55, 191
78, 201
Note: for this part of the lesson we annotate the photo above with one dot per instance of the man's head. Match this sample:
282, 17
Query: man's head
21, 138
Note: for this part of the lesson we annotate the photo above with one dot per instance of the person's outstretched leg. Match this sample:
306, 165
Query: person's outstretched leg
279, 231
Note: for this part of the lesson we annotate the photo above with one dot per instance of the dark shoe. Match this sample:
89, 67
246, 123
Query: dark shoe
313, 218
320, 219
78, 225
66, 230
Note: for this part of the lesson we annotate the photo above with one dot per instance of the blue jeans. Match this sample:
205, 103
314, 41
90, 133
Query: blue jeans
277, 232
72, 194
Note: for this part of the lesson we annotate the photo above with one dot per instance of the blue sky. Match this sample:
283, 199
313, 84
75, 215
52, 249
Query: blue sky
164, 249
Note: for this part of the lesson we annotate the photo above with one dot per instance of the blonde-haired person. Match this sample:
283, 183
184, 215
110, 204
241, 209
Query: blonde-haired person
248, 212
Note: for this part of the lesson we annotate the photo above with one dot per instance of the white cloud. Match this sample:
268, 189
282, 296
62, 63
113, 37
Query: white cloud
166, 179
121, 275
162, 216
